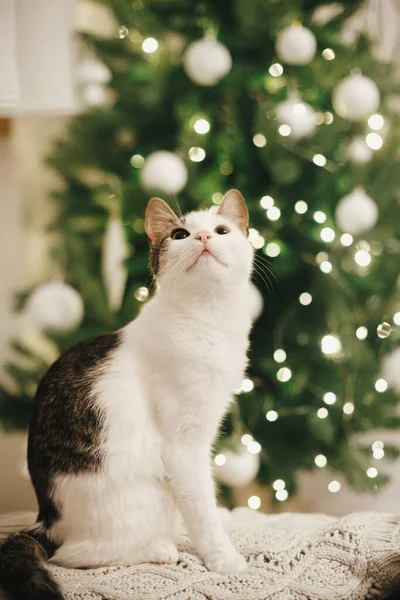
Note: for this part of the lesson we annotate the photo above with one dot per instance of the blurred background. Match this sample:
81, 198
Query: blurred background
297, 104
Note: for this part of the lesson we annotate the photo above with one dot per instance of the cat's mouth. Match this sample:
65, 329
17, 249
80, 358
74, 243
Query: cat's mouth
205, 253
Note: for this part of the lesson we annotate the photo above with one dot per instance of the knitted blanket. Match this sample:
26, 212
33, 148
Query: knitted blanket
290, 557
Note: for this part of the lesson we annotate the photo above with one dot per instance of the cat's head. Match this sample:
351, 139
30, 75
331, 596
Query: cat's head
203, 248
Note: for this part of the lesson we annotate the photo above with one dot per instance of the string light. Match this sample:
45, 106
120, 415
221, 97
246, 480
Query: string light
362, 332
279, 484
279, 356
330, 345
254, 447
273, 213
322, 413
281, 495
321, 256
378, 453
376, 122
381, 385
220, 459
328, 118
271, 416
258, 242
217, 197
301, 207
226, 168
327, 234
141, 294
321, 461
247, 385
362, 258
299, 109
318, 118
259, 140
326, 266
254, 502
378, 445
372, 472
122, 32
201, 126
374, 141
284, 130
319, 216
334, 486
246, 439
284, 374
197, 154
305, 298
275, 70
396, 318
346, 239
383, 330
348, 408
137, 161
329, 398
266, 202
328, 54
149, 45
319, 160
272, 249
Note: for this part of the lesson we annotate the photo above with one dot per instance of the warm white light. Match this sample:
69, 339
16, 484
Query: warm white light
378, 453
328, 54
318, 118
149, 45
326, 266
319, 160
266, 202
279, 356
322, 413
362, 333
254, 447
321, 256
273, 213
246, 439
376, 122
284, 130
271, 416
247, 385
197, 154
329, 398
372, 472
137, 161
259, 140
362, 258
201, 126
281, 495
284, 374
305, 298
334, 486
321, 461
272, 249
381, 385
141, 294
328, 118
396, 318
254, 502
327, 234
299, 109
319, 216
378, 445
276, 70
279, 484
217, 197
330, 345
374, 141
348, 408
258, 242
253, 234
346, 239
220, 459
301, 207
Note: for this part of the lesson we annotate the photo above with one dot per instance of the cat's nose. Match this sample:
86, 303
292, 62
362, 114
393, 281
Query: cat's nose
203, 236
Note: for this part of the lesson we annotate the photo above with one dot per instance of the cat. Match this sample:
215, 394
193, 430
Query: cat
119, 448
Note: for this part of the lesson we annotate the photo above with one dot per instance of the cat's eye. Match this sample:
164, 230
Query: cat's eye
179, 234
221, 230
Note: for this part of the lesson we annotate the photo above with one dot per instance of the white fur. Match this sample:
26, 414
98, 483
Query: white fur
164, 393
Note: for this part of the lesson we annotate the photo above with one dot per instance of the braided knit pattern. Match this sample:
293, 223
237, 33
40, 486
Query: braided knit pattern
290, 557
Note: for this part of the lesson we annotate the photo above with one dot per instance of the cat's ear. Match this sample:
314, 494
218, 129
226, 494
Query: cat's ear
159, 220
234, 208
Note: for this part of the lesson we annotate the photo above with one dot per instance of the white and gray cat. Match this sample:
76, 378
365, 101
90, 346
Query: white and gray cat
120, 440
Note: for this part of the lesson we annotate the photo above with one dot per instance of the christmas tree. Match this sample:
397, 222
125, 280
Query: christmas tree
190, 99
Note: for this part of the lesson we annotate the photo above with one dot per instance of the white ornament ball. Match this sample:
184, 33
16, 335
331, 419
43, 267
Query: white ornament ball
298, 115
240, 467
55, 305
93, 71
358, 152
296, 45
356, 212
164, 171
391, 369
356, 98
256, 302
207, 61
94, 94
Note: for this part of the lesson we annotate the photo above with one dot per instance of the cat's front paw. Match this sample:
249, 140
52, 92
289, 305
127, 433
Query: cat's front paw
161, 552
226, 563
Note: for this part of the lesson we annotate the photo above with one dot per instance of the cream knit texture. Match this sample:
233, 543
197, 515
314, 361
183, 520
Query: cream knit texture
290, 557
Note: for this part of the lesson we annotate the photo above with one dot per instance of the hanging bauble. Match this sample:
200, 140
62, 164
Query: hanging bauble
93, 71
358, 152
298, 115
256, 302
207, 61
356, 97
55, 305
164, 171
240, 467
391, 369
296, 45
114, 271
356, 212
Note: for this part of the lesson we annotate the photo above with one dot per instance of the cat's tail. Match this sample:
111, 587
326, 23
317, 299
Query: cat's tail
23, 573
